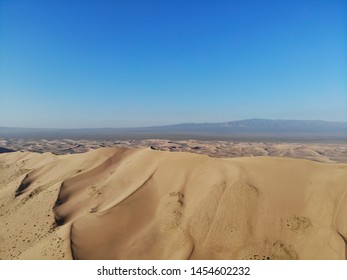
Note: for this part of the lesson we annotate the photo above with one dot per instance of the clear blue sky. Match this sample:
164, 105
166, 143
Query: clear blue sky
138, 63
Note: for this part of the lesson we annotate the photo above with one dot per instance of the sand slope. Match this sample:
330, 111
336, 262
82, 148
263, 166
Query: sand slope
121, 203
334, 152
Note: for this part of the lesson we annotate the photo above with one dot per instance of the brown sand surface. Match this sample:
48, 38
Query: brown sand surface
334, 152
124, 203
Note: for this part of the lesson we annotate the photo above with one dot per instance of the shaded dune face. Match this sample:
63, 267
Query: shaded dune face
340, 220
146, 204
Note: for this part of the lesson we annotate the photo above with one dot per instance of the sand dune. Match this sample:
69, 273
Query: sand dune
121, 203
334, 152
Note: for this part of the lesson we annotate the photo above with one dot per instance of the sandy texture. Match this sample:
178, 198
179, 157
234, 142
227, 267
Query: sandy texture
335, 152
121, 203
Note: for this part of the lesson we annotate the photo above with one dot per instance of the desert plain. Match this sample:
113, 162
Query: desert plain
163, 199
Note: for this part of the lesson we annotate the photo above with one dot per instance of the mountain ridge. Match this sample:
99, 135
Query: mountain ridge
241, 129
254, 120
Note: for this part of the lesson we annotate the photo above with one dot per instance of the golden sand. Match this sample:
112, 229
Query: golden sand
122, 203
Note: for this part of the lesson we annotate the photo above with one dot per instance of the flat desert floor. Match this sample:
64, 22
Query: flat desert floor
123, 202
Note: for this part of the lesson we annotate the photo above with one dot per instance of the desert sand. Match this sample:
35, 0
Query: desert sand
329, 152
127, 203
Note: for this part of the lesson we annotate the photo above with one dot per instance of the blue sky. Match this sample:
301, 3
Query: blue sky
138, 63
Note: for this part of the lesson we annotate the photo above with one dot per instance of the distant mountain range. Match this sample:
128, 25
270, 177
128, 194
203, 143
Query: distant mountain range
250, 129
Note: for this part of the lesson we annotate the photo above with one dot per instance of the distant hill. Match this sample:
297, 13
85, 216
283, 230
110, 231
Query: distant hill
255, 125
250, 129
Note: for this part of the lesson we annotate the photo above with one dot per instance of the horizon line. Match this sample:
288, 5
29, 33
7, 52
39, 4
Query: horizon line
173, 124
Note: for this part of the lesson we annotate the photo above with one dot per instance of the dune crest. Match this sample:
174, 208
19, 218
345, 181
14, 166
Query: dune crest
121, 203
